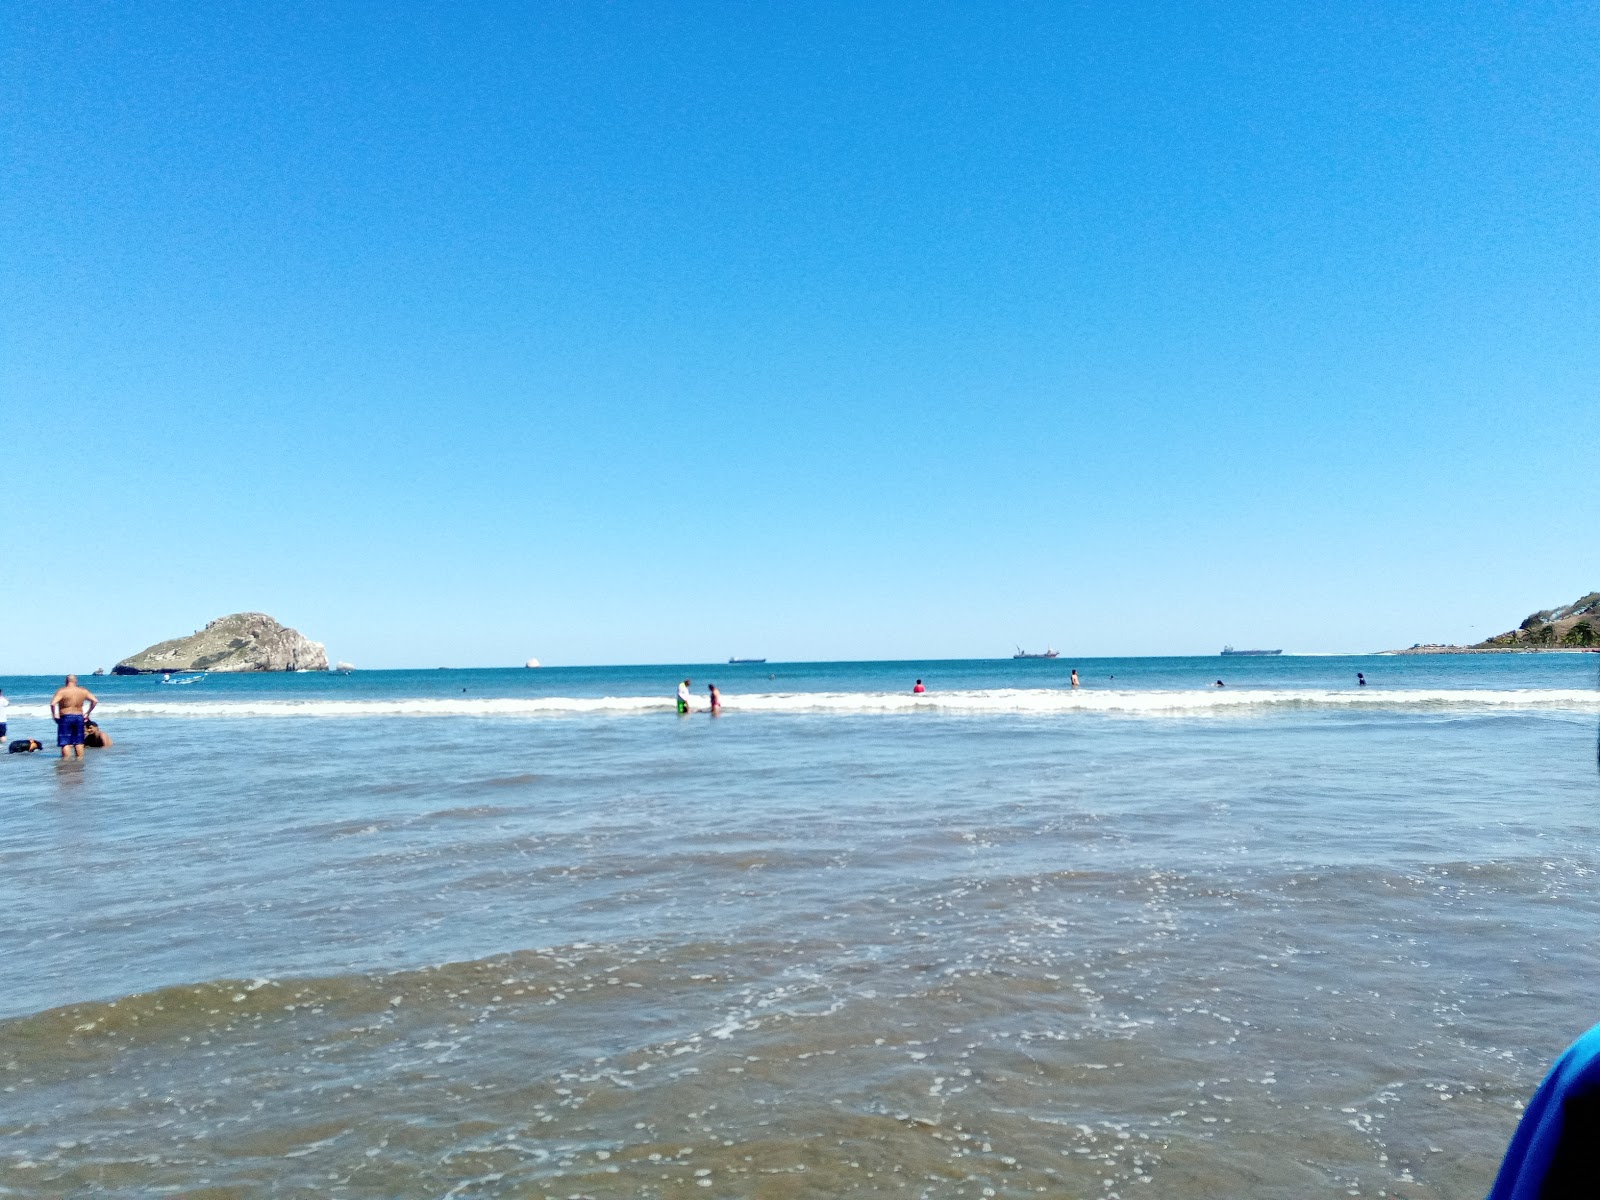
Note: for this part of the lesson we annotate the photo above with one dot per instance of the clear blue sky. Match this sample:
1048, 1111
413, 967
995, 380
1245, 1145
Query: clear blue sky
625, 332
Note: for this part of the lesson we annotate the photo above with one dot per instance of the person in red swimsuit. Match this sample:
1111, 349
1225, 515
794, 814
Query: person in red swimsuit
919, 689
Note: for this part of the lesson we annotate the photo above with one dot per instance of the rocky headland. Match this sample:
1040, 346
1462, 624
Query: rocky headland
240, 642
1574, 626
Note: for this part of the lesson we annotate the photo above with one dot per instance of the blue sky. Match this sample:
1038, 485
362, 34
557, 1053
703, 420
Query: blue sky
654, 332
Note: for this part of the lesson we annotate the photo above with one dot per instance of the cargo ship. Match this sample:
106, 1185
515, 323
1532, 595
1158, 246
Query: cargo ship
1021, 653
1256, 653
747, 660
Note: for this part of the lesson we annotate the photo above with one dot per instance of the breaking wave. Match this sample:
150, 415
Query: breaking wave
1015, 701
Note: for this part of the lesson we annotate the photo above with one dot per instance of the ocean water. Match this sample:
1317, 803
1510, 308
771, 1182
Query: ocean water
530, 933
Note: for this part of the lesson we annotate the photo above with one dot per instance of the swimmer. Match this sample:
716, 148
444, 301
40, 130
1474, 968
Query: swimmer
716, 700
94, 737
24, 746
1220, 683
1074, 676
1361, 680
919, 689
683, 696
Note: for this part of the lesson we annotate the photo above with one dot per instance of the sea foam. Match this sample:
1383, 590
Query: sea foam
1014, 701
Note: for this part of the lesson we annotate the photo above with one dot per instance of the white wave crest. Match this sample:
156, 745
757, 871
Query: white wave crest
1037, 702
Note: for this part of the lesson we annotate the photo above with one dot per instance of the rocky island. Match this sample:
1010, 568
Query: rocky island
1574, 626
240, 642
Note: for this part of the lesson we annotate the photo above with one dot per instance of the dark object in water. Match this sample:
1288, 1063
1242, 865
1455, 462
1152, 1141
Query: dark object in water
24, 746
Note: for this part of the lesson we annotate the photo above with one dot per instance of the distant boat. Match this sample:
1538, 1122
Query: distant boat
747, 660
167, 678
1048, 653
1229, 650
531, 663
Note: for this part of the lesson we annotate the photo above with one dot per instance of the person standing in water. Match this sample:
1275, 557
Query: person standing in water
716, 700
1361, 680
4, 705
683, 697
1074, 676
919, 689
67, 707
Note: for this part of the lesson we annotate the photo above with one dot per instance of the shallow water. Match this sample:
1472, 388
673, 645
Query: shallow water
1318, 941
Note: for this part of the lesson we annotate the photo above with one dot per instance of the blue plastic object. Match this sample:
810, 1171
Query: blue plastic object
1555, 1153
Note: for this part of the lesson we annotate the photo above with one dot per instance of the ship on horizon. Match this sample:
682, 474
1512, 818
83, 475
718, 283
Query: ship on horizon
1048, 653
1229, 650
747, 660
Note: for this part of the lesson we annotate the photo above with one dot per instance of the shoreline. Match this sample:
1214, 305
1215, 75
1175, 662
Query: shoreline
1493, 650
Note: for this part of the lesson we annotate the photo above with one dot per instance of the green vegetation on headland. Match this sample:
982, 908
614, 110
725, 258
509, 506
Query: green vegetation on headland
1575, 626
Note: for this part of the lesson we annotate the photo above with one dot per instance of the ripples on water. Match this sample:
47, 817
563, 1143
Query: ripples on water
1300, 952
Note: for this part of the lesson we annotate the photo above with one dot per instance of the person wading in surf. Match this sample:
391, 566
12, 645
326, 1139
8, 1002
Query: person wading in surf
67, 707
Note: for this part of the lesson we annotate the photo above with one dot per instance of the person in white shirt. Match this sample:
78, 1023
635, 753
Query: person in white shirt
4, 704
683, 697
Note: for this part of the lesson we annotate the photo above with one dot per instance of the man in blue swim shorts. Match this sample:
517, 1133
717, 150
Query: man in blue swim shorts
67, 707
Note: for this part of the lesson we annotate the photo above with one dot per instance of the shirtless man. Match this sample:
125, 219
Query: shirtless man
67, 707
